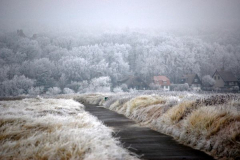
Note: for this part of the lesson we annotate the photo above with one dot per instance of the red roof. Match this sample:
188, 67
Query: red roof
161, 79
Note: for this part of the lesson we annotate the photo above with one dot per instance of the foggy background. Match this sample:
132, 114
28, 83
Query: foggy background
165, 14
69, 46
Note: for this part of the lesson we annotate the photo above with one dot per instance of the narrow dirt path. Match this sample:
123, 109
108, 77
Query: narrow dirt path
143, 141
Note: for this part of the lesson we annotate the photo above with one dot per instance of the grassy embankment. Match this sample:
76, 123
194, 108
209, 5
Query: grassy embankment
210, 123
54, 129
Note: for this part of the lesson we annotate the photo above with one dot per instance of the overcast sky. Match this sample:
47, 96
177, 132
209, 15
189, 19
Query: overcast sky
121, 13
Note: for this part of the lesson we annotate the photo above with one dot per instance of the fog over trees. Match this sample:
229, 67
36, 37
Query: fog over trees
74, 60
79, 58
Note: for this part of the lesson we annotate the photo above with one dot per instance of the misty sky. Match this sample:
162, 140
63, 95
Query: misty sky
121, 13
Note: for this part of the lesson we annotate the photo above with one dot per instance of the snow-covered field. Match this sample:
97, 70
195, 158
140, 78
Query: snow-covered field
208, 122
54, 129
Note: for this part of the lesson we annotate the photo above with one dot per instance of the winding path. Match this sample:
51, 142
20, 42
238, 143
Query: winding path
143, 141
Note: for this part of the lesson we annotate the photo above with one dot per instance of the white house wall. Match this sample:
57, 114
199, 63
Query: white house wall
218, 82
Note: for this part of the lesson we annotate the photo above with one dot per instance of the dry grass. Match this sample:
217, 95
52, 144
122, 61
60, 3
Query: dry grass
141, 102
95, 99
210, 123
54, 129
207, 121
178, 112
216, 128
236, 104
151, 113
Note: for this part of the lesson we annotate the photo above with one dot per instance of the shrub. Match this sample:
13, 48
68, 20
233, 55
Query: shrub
68, 91
124, 87
83, 87
208, 81
74, 85
36, 90
101, 84
16, 86
117, 89
53, 91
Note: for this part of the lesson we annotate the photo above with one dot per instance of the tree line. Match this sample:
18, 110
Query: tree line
57, 63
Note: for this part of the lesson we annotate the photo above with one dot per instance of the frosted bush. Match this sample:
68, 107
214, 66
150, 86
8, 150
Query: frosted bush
68, 91
208, 81
133, 90
83, 87
16, 86
4, 71
101, 84
53, 91
74, 85
117, 89
124, 87
36, 90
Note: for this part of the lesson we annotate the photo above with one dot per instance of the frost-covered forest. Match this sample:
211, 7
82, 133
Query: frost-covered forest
93, 60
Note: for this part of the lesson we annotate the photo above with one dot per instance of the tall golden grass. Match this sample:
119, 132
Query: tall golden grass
210, 123
54, 129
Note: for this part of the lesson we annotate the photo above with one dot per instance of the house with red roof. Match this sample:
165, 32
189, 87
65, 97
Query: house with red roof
162, 81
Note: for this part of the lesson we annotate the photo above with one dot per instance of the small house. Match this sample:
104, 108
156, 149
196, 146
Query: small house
224, 80
193, 81
162, 81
